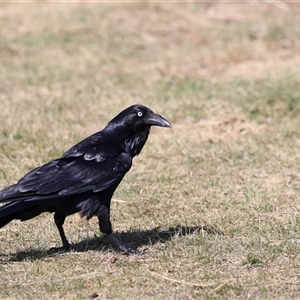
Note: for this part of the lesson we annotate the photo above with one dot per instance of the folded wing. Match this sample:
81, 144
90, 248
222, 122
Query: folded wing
98, 168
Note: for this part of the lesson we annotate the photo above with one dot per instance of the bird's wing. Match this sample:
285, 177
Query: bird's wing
95, 170
95, 146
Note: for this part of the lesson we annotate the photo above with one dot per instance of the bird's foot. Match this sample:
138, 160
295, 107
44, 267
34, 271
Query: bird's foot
129, 251
126, 250
55, 250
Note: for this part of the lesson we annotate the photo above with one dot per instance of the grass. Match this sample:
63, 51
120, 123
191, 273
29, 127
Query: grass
213, 200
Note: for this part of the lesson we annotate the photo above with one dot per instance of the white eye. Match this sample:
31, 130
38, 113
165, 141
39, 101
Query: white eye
139, 114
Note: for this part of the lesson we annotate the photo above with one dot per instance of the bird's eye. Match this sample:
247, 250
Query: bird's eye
139, 114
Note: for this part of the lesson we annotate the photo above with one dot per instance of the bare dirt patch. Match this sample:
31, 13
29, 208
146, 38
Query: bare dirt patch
221, 128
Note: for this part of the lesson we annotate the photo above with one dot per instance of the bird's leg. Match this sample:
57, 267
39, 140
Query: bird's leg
105, 227
59, 220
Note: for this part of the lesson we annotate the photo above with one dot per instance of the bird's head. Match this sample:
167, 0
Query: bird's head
137, 116
133, 125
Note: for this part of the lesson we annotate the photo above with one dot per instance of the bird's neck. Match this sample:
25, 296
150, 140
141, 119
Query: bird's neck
131, 139
135, 141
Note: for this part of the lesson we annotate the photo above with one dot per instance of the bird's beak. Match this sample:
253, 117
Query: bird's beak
157, 120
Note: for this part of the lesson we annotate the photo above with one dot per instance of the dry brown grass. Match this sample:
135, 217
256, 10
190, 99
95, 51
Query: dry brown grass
214, 200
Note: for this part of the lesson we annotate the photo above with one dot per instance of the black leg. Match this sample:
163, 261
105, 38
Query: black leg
59, 220
105, 227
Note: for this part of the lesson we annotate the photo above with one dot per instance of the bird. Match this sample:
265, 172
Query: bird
85, 178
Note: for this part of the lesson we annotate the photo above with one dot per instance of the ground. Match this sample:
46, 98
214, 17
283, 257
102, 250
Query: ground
213, 201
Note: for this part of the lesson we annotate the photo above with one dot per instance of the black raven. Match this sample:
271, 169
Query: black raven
85, 177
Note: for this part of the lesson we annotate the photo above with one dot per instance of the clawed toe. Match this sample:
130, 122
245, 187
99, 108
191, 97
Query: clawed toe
55, 250
134, 252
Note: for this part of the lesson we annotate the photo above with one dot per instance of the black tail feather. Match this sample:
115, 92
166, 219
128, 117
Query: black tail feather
17, 210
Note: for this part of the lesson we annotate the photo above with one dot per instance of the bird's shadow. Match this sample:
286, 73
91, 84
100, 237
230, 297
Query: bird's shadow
134, 239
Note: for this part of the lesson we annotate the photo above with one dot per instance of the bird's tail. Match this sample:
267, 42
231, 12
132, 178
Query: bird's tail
19, 210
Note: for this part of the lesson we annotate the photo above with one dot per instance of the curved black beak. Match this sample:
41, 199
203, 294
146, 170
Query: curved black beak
157, 120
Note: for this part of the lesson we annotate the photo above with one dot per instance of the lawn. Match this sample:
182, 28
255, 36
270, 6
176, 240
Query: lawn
213, 201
